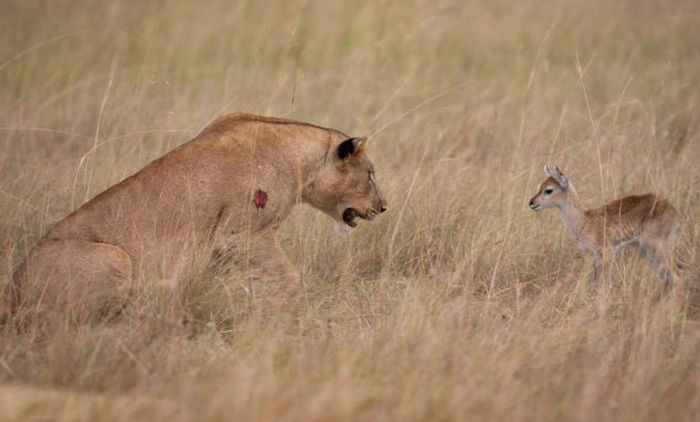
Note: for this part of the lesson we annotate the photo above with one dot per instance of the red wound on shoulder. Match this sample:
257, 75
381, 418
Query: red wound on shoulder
260, 199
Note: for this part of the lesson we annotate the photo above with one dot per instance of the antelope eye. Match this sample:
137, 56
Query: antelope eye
548, 191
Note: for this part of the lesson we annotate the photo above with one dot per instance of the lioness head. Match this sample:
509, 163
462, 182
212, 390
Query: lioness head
345, 187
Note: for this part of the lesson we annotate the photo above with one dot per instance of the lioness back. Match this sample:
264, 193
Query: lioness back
191, 185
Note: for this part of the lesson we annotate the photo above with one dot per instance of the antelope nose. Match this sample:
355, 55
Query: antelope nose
532, 205
382, 208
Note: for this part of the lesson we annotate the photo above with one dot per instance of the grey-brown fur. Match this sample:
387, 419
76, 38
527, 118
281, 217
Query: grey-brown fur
647, 222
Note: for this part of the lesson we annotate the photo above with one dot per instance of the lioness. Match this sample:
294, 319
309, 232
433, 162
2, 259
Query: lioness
236, 181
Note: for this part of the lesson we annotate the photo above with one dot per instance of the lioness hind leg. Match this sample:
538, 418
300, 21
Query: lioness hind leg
71, 281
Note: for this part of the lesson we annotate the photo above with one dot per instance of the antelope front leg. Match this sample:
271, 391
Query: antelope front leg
599, 267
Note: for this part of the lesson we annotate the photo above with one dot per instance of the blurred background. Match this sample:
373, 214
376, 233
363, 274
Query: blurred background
458, 302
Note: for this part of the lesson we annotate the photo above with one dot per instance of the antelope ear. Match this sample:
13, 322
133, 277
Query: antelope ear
349, 147
560, 178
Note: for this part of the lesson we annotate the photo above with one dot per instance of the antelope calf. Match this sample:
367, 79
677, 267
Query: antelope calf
647, 222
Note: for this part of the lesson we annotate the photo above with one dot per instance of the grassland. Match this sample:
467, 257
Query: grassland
458, 303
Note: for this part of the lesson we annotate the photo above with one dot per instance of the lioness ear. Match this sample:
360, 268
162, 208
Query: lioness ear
350, 146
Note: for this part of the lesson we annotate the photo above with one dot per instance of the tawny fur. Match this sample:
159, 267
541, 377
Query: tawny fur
201, 195
647, 222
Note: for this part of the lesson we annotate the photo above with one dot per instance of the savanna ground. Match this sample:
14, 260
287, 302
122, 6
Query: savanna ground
458, 303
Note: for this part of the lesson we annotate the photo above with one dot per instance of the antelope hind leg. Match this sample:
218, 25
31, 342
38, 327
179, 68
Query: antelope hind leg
660, 261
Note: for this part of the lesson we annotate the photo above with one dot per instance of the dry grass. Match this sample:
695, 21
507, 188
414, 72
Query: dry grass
458, 303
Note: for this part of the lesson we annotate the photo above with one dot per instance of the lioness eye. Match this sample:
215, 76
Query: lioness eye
548, 191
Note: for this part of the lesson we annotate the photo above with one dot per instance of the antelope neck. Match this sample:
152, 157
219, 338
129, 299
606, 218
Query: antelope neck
572, 215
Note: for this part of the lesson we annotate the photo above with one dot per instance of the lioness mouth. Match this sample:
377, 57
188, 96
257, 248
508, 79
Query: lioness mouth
349, 217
